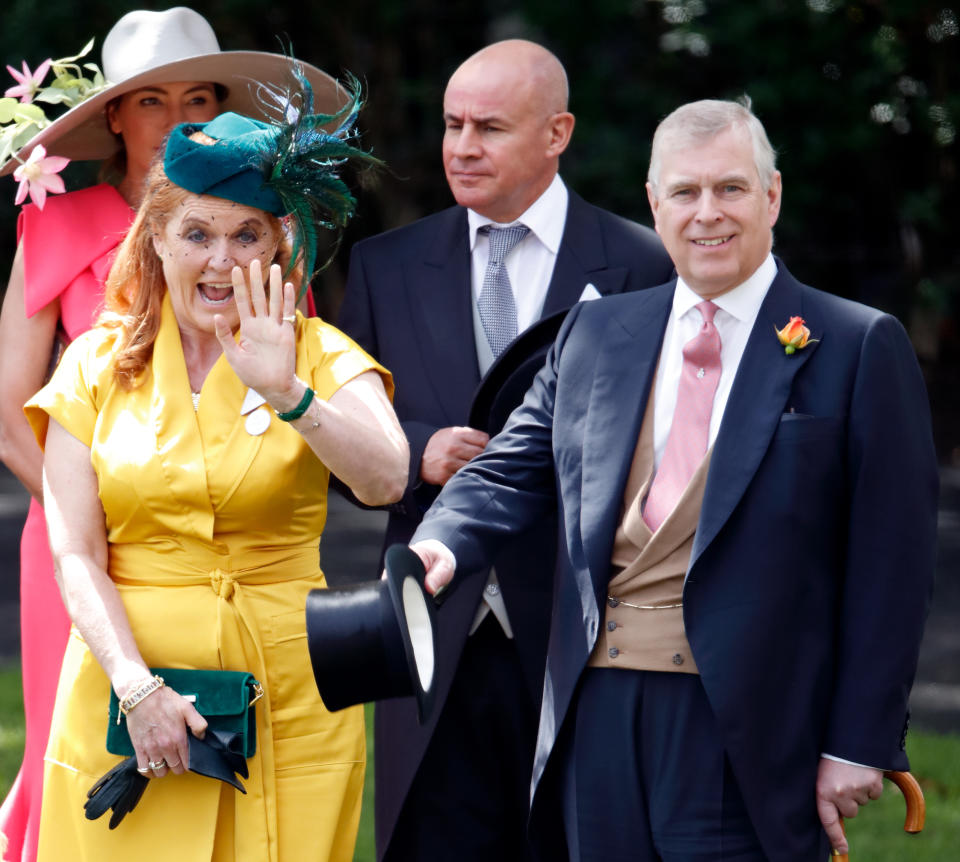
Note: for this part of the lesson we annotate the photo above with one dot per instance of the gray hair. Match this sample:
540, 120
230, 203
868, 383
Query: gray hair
698, 122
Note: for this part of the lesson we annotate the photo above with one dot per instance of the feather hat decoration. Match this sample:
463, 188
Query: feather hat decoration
288, 166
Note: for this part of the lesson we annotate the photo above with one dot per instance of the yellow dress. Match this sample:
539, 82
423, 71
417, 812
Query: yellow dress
213, 544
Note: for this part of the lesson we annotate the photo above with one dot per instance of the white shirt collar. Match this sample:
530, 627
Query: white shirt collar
545, 217
743, 302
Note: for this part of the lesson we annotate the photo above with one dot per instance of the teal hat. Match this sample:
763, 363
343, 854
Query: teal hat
288, 166
229, 163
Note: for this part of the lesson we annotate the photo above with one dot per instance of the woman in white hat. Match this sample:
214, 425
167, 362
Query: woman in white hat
162, 68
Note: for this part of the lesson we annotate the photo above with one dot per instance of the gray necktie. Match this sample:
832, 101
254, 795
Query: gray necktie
498, 311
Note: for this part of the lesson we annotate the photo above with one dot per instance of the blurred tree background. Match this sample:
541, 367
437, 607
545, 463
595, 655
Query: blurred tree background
860, 99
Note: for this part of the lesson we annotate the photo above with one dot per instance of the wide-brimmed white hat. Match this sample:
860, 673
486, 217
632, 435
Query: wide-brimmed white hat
145, 48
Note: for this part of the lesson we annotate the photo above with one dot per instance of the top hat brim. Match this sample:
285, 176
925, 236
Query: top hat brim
82, 134
416, 612
376, 639
508, 379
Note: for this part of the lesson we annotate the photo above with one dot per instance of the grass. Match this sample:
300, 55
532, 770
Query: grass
876, 835
366, 846
11, 726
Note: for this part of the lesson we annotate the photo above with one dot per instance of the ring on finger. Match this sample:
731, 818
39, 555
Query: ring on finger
143, 770
289, 318
157, 764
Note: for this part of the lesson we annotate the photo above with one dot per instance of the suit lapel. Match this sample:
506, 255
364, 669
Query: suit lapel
438, 287
757, 400
581, 260
627, 362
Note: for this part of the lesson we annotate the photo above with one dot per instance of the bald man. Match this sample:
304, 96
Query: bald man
436, 302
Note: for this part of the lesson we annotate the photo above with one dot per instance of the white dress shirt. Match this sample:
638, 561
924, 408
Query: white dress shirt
737, 310
529, 264
530, 268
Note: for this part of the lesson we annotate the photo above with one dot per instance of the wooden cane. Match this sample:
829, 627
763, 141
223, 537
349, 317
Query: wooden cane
916, 806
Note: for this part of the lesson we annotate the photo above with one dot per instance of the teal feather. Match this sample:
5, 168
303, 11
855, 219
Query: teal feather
303, 161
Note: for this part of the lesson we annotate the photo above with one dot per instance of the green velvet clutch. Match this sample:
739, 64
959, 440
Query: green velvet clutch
225, 698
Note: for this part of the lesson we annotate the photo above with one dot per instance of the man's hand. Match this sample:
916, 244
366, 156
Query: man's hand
439, 562
841, 789
448, 450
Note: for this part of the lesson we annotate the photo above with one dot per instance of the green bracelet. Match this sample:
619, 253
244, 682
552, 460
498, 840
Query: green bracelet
300, 409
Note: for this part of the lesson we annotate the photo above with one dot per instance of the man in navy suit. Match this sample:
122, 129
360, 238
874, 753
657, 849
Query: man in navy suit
417, 298
748, 514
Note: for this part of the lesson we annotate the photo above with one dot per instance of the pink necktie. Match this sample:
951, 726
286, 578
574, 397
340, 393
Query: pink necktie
690, 430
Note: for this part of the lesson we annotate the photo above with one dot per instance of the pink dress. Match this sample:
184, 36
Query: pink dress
67, 251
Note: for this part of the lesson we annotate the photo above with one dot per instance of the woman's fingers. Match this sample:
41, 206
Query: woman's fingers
154, 767
241, 296
160, 729
253, 300
196, 723
276, 292
258, 295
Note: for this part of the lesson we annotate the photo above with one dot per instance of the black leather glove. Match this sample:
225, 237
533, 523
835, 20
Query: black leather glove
120, 789
217, 756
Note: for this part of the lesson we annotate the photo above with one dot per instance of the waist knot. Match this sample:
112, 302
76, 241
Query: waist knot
222, 583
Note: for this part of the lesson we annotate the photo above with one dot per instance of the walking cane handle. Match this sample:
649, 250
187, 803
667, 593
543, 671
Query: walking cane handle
916, 806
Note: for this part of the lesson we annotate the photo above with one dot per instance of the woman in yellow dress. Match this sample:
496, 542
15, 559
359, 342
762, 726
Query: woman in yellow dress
189, 438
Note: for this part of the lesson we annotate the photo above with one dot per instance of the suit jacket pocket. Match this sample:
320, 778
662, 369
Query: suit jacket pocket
802, 426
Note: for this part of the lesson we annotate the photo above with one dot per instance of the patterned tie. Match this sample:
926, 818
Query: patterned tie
498, 311
690, 430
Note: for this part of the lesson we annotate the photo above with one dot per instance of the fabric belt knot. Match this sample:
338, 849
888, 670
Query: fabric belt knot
223, 584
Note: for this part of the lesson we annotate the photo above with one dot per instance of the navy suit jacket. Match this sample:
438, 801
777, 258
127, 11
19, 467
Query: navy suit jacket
812, 565
408, 302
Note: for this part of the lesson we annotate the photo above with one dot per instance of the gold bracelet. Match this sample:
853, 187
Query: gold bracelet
134, 696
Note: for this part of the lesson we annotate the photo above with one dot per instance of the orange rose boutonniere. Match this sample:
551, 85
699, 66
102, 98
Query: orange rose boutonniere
794, 336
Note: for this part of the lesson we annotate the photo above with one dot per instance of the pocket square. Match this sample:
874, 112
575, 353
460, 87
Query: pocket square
589, 292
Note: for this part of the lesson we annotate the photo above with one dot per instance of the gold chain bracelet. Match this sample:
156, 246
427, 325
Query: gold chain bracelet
132, 698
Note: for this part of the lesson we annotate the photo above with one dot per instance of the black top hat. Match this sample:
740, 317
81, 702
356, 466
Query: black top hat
376, 639
508, 379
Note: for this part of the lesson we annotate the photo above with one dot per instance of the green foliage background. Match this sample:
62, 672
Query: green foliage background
861, 100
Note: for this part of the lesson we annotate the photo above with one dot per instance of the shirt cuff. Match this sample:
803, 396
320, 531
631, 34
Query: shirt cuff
851, 762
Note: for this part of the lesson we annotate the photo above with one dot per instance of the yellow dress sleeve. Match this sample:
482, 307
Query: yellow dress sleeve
76, 391
328, 359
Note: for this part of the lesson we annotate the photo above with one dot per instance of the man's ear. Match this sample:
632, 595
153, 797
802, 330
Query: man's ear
654, 206
774, 197
561, 130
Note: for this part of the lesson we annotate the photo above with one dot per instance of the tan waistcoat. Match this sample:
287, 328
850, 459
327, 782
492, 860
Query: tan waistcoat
649, 570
